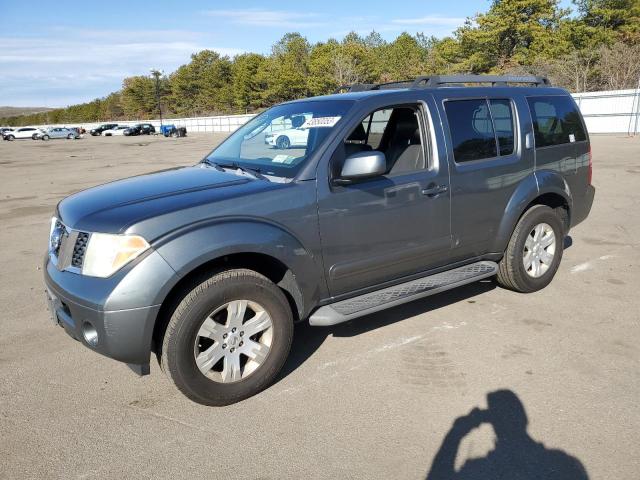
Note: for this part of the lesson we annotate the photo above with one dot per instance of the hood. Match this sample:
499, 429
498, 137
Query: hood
113, 207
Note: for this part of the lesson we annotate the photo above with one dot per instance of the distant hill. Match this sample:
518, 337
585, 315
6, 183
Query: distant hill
15, 111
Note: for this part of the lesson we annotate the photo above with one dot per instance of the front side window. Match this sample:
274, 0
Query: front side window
394, 131
556, 120
279, 141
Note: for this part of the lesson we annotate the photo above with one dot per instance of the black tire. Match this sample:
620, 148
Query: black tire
34, 136
177, 355
45, 137
511, 273
283, 142
70, 136
10, 138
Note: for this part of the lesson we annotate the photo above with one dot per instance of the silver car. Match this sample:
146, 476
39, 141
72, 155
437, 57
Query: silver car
59, 132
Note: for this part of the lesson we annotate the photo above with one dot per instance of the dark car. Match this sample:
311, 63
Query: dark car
98, 130
140, 129
400, 191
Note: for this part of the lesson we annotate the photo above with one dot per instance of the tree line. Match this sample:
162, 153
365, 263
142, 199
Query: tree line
595, 46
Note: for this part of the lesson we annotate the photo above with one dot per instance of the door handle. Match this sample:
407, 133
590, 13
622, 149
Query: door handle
434, 190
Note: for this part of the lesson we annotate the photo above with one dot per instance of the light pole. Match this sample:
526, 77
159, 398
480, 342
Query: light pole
155, 73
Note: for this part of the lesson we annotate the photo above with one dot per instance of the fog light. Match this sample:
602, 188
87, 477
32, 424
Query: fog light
90, 334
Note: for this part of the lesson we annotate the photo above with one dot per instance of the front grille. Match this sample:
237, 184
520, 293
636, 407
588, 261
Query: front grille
79, 249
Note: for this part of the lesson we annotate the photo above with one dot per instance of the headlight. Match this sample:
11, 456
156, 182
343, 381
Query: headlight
107, 253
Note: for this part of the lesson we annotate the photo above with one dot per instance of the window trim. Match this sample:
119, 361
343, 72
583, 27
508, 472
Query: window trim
515, 121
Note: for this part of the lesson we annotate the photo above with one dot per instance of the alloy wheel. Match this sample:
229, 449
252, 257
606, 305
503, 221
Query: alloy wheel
233, 341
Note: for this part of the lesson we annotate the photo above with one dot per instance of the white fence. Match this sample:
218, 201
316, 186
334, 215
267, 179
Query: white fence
616, 111
226, 123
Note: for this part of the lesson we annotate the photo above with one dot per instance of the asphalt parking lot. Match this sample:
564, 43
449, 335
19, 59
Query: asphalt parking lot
374, 398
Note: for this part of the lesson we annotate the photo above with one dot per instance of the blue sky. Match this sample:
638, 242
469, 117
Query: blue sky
60, 53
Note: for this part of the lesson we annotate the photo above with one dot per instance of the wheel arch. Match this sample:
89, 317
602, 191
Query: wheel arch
540, 188
271, 267
242, 243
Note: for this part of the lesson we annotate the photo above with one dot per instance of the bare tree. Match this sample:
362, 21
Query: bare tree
619, 66
576, 71
345, 70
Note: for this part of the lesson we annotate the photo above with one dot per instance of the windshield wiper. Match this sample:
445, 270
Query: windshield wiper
256, 172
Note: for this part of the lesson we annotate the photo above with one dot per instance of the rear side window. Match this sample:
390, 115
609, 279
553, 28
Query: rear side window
503, 120
480, 128
556, 120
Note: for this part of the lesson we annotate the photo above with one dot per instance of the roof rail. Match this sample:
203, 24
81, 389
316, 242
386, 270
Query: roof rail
363, 87
355, 87
435, 81
494, 80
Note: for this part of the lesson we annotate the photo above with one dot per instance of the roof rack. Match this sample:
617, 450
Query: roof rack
363, 87
436, 81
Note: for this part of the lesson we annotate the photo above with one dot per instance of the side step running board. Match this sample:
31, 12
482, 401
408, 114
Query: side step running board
351, 308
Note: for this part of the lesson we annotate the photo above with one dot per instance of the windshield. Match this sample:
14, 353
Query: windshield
280, 140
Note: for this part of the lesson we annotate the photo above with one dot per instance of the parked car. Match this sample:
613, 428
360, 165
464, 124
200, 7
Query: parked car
5, 130
59, 132
23, 133
140, 129
99, 130
289, 137
399, 193
117, 130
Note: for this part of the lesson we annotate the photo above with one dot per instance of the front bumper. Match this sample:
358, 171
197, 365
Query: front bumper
112, 316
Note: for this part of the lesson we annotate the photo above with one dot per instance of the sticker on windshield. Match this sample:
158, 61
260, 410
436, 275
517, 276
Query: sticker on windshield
321, 122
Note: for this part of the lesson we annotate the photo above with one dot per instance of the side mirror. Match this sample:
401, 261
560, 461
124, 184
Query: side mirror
362, 165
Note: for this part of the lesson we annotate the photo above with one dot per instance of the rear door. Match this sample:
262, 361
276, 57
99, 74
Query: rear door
487, 161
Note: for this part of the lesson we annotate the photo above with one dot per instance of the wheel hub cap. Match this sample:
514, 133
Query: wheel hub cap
539, 250
233, 341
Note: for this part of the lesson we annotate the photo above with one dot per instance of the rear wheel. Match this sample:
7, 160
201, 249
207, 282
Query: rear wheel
70, 136
34, 136
11, 138
534, 251
283, 142
45, 137
228, 338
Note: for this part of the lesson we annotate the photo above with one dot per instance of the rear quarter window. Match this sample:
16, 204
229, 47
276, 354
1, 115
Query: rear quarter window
556, 120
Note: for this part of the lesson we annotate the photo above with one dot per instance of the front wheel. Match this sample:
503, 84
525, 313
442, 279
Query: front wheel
10, 138
228, 338
45, 137
534, 251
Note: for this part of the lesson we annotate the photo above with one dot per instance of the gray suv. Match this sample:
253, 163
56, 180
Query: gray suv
398, 191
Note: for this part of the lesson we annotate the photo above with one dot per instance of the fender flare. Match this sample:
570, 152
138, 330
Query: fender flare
531, 187
185, 251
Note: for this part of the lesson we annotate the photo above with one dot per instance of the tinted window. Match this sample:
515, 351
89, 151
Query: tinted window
471, 130
556, 120
502, 115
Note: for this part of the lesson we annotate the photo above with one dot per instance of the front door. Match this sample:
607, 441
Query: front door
393, 225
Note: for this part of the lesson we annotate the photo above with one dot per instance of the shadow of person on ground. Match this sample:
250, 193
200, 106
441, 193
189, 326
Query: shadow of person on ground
516, 456
308, 339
